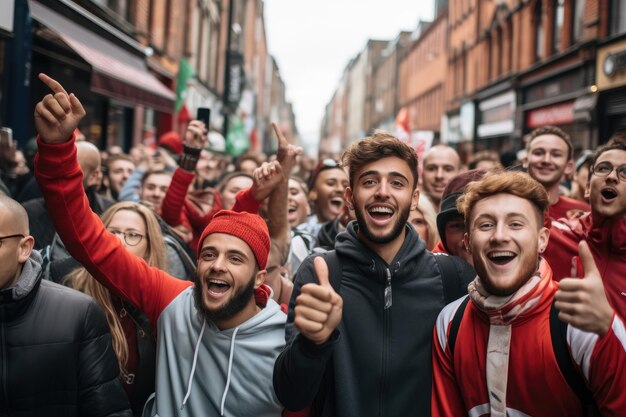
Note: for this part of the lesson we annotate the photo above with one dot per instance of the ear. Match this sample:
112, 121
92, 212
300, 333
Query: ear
312, 195
259, 279
348, 197
543, 237
587, 193
25, 248
415, 199
569, 168
466, 243
525, 162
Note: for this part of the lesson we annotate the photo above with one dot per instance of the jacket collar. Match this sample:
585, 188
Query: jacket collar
608, 233
16, 299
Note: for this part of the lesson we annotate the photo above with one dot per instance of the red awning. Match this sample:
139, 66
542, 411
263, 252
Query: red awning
116, 72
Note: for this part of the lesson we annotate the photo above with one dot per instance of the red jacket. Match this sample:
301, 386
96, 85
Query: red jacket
177, 207
607, 241
535, 385
148, 288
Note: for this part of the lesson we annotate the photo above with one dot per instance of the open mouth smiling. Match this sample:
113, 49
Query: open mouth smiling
501, 257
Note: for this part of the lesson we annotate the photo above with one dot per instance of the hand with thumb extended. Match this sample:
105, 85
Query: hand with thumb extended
57, 115
582, 301
318, 307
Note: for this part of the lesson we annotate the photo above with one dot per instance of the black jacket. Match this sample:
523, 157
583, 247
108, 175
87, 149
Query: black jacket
56, 357
378, 362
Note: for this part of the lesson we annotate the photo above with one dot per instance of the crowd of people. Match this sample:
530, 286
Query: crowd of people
175, 282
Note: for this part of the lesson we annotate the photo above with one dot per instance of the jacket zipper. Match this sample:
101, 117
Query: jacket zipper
386, 318
388, 299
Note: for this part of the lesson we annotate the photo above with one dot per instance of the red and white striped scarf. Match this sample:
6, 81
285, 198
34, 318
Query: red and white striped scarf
502, 311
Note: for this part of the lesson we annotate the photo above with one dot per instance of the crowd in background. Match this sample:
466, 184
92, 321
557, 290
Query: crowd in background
162, 207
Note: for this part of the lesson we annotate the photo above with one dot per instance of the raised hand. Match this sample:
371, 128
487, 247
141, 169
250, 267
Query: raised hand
286, 154
196, 135
57, 115
318, 307
266, 178
582, 301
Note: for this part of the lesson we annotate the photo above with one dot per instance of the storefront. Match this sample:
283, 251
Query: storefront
496, 121
560, 98
107, 71
611, 84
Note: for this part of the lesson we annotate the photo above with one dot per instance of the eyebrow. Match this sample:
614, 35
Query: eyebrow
391, 174
228, 251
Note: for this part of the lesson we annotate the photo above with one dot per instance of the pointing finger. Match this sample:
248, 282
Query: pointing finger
321, 271
53, 84
282, 141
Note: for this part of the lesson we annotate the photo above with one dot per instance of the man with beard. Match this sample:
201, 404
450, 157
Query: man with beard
363, 348
495, 351
217, 339
549, 158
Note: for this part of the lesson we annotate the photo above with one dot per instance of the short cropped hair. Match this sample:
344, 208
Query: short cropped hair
372, 148
517, 183
612, 145
552, 130
148, 174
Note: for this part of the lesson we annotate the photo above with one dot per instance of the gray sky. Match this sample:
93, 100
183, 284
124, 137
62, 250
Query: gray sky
312, 42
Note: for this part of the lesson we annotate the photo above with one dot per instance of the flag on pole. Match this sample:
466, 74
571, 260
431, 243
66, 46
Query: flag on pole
185, 72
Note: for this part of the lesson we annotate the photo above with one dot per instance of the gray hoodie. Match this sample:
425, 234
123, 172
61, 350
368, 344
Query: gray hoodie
204, 371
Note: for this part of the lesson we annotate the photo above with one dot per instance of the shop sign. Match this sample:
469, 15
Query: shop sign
611, 66
564, 84
496, 115
558, 114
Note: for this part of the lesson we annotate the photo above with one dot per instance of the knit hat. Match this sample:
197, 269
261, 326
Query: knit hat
172, 142
451, 194
250, 228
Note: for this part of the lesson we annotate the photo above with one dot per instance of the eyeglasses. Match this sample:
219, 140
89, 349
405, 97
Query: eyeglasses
604, 169
2, 238
131, 238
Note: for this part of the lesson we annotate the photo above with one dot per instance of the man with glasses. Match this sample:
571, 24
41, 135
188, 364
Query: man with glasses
55, 345
604, 229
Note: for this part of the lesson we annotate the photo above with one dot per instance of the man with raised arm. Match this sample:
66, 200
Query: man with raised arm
218, 337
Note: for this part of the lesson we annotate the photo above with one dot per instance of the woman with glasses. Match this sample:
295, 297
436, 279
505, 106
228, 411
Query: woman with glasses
133, 342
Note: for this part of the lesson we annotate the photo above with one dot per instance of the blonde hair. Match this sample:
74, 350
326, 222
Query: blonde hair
427, 209
82, 281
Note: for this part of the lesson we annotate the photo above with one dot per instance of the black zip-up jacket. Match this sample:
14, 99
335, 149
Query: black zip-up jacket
378, 361
56, 357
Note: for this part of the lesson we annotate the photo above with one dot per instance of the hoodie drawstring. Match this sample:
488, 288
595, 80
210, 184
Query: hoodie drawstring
193, 365
230, 367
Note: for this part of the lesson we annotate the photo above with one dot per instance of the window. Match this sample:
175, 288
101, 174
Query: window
539, 32
618, 16
557, 27
577, 24
124, 8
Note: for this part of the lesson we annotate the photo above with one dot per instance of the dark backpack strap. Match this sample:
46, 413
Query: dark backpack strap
453, 286
456, 323
335, 269
558, 333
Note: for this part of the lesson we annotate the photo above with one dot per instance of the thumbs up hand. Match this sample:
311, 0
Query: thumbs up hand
318, 307
582, 301
57, 116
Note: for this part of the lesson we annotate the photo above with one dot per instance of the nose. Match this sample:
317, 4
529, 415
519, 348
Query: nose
382, 190
219, 265
439, 173
613, 175
500, 233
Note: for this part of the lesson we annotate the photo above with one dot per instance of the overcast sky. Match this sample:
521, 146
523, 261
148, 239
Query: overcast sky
313, 40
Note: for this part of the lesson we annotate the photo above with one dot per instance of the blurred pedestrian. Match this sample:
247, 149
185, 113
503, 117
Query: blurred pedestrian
441, 163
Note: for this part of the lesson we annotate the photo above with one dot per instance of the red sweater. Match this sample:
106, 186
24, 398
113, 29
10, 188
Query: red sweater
564, 205
100, 252
535, 385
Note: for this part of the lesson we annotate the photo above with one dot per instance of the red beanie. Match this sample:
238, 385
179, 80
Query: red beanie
172, 142
250, 228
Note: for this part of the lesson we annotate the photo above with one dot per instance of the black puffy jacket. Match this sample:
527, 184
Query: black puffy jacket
56, 357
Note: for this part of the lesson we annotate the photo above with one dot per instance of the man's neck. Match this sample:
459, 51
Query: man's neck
553, 193
387, 251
